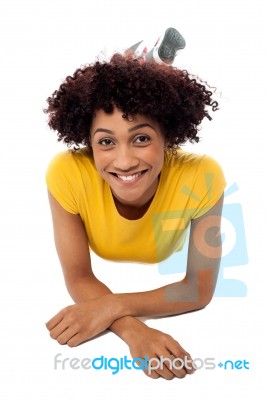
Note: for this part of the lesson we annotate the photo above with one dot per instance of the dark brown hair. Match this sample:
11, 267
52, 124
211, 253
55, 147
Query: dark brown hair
175, 99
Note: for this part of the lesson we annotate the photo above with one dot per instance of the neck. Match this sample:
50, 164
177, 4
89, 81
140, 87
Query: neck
131, 212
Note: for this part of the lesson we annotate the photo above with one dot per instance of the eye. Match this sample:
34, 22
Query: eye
142, 139
105, 142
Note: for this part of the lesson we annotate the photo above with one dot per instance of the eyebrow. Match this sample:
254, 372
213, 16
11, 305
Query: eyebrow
134, 128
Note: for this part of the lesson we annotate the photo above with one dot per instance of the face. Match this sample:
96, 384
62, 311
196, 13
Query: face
129, 155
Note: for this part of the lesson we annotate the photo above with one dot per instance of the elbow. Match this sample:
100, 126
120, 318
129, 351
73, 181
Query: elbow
205, 300
202, 305
206, 288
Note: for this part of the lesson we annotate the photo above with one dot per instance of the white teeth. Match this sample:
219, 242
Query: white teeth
129, 177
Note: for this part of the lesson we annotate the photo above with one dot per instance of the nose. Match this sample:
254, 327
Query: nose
125, 159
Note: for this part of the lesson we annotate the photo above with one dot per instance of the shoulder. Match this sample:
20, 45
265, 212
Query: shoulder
192, 164
70, 157
203, 181
197, 180
71, 167
71, 163
67, 174
181, 158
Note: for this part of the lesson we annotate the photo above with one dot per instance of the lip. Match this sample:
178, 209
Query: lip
129, 182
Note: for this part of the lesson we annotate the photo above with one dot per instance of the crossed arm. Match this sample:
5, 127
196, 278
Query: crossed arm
96, 308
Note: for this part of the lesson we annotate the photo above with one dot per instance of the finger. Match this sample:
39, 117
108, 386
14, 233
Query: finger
58, 329
174, 347
184, 359
169, 369
149, 368
190, 365
66, 335
165, 372
151, 373
75, 340
55, 320
178, 368
156, 367
179, 353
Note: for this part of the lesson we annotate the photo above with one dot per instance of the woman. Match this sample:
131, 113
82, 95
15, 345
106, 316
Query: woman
130, 193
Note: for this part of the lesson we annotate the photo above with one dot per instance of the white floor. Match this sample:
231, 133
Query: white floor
42, 42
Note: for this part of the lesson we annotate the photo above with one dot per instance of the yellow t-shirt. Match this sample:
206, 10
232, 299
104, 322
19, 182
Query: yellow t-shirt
190, 184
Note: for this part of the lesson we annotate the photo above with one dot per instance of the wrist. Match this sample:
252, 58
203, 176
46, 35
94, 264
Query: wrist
127, 328
115, 306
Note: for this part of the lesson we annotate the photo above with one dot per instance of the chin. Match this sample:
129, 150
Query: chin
128, 201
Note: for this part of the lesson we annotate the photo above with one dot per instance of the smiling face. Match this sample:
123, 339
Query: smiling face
129, 155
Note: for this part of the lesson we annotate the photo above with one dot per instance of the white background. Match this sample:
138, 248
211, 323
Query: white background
41, 42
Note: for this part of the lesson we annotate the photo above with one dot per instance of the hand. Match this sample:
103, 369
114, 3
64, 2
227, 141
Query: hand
155, 344
80, 322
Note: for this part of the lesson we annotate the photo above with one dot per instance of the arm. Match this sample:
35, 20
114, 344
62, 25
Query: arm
96, 303
94, 299
195, 291
72, 247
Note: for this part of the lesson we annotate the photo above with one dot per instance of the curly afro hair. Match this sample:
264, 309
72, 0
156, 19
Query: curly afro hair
175, 99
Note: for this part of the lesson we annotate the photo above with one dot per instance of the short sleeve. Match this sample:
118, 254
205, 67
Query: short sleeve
61, 181
209, 186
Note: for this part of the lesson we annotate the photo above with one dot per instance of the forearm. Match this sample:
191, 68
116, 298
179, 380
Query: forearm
176, 298
90, 289
86, 289
179, 297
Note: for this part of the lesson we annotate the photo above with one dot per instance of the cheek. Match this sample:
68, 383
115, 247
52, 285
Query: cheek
158, 158
101, 160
